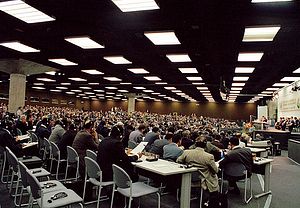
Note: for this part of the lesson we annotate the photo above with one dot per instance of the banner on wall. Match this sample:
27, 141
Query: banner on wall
288, 102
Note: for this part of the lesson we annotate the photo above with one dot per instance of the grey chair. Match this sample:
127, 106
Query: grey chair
47, 150
93, 174
124, 185
91, 154
33, 137
46, 199
238, 170
72, 159
55, 156
3, 163
47, 186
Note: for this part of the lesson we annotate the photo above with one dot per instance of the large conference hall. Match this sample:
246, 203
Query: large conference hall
150, 103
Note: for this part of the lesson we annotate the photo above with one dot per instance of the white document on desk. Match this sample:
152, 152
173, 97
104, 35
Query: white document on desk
141, 146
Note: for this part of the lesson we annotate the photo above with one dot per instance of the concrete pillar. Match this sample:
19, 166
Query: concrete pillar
131, 104
17, 87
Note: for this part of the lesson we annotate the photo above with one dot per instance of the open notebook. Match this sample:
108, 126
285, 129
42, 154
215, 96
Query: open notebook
141, 146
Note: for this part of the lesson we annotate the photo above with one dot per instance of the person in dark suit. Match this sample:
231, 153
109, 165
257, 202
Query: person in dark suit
66, 140
7, 140
240, 155
111, 151
82, 142
42, 129
151, 137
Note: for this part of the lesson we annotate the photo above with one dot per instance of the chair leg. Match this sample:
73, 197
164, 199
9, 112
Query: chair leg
201, 197
129, 204
11, 181
21, 195
77, 170
99, 194
3, 168
16, 191
57, 169
158, 200
112, 196
51, 163
84, 187
251, 193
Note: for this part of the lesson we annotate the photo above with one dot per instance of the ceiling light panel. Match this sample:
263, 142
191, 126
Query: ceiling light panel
17, 46
162, 38
152, 78
188, 70
62, 88
39, 88
110, 88
92, 71
272, 89
256, 34
297, 71
117, 59
280, 84
244, 70
240, 78
268, 1
139, 88
77, 79
125, 83
250, 56
238, 84
24, 12
290, 79
194, 78
63, 62
161, 83
179, 57
45, 79
136, 5
138, 71
84, 42
112, 79
65, 83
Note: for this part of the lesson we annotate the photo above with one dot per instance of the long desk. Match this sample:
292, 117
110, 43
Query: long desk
261, 152
267, 173
167, 168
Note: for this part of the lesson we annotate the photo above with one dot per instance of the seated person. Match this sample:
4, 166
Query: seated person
206, 166
240, 155
111, 151
66, 140
172, 150
42, 130
22, 124
151, 137
158, 145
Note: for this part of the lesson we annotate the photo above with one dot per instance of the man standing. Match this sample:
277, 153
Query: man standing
237, 155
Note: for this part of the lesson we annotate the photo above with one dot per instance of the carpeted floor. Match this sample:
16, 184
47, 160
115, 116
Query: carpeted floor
285, 186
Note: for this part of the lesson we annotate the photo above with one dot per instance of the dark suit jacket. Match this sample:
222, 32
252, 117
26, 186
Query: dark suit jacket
111, 151
239, 154
6, 140
66, 140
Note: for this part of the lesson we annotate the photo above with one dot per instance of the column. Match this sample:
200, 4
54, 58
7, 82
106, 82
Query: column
131, 104
17, 87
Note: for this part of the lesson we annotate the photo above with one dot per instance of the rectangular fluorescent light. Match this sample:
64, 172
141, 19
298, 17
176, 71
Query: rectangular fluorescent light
70, 93
38, 83
85, 88
238, 84
53, 90
198, 83
76, 90
161, 83
110, 88
244, 69
202, 88
188, 70
194, 78
272, 89
139, 88
268, 1
240, 78
122, 90
62, 88
39, 88
92, 71
138, 71
155, 93
256, 34
234, 91
77, 79
125, 83
290, 79
152, 78
45, 79
84, 42
170, 88
24, 12
63, 62
236, 88
110, 93
17, 46
65, 83
297, 71
179, 57
148, 91
51, 73
266, 92
250, 56
162, 38
93, 83
280, 84
136, 5
113, 79
99, 90
117, 59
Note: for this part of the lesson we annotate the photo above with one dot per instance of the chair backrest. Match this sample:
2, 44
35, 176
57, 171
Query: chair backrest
47, 145
121, 178
2, 150
132, 144
235, 169
34, 185
19, 132
72, 154
12, 160
33, 137
55, 150
91, 154
92, 168
23, 170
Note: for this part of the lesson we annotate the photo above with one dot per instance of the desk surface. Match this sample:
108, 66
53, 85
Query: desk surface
26, 145
23, 137
262, 161
163, 167
257, 150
